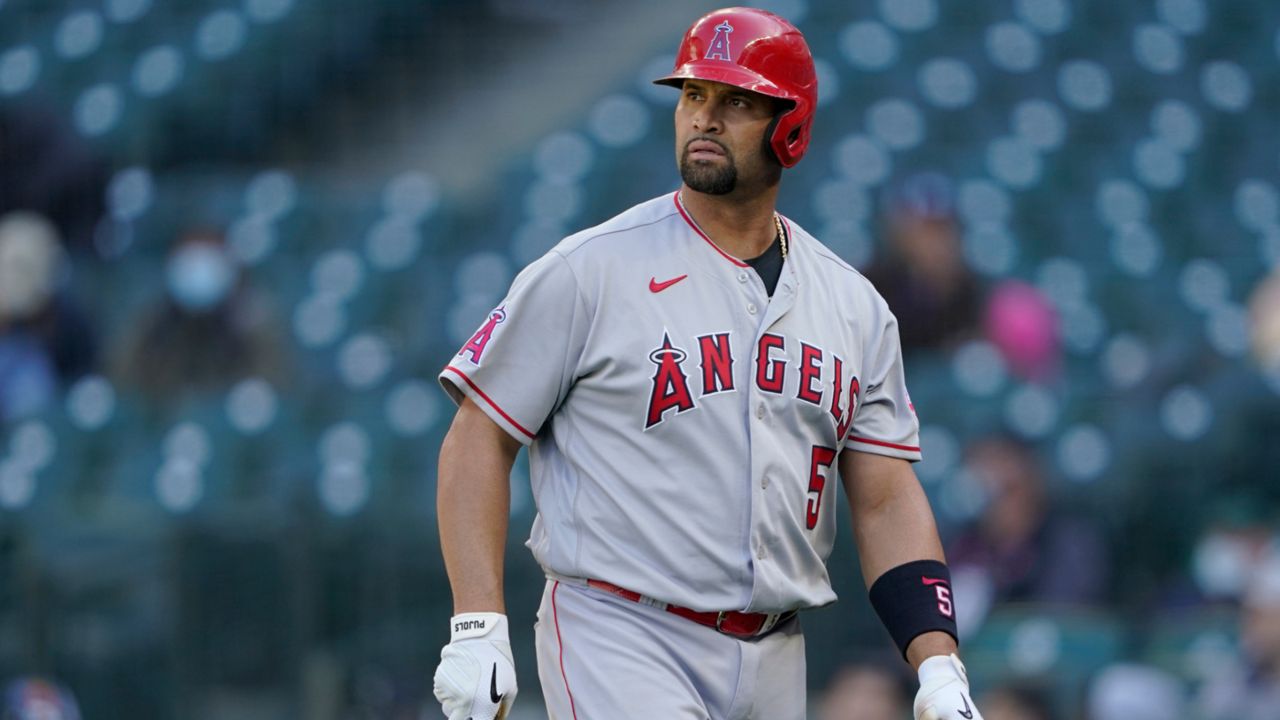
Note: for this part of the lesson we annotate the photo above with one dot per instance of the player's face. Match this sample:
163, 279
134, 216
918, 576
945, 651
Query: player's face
720, 138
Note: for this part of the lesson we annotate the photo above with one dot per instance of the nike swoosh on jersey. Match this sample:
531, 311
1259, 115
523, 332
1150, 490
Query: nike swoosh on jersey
493, 686
932, 581
657, 287
967, 712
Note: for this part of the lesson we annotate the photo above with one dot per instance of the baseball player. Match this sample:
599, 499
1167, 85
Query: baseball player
694, 378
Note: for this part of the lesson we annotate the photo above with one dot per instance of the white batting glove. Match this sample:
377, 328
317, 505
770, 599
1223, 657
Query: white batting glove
476, 679
944, 691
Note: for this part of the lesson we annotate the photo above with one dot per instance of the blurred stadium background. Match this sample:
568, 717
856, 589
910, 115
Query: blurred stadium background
238, 238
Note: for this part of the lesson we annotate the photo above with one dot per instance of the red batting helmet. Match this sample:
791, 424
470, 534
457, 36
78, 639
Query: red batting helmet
758, 51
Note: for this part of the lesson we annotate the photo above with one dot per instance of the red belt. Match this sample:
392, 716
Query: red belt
730, 622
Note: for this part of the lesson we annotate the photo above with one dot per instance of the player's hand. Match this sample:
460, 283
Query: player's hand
944, 691
476, 679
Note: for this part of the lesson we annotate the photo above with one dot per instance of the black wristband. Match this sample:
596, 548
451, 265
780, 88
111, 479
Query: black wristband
915, 598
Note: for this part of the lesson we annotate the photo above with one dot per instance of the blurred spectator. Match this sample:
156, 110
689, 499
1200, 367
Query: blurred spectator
922, 274
1249, 689
1015, 702
1264, 318
45, 341
1135, 692
865, 691
33, 698
1019, 549
46, 167
210, 330
1022, 324
1238, 539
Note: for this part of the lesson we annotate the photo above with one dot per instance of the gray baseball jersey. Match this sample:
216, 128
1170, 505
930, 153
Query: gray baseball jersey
683, 426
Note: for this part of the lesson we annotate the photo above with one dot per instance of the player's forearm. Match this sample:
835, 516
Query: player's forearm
892, 520
473, 503
894, 527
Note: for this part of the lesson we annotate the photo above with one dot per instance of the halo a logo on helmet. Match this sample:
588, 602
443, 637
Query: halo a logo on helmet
719, 49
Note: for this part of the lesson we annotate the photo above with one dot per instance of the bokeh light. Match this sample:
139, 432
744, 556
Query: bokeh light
1083, 452
98, 109
1032, 411
130, 194
1226, 86
979, 369
869, 45
896, 123
909, 15
79, 34
619, 121
1012, 47
412, 407
221, 34
1040, 123
158, 71
91, 402
19, 68
1046, 16
1084, 85
948, 83
1185, 413
1126, 361
126, 11
1158, 49
252, 405
1186, 16
863, 160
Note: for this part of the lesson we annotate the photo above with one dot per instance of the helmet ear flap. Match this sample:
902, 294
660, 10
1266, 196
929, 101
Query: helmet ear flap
780, 145
770, 132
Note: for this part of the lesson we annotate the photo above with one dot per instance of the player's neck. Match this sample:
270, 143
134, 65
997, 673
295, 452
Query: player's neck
742, 227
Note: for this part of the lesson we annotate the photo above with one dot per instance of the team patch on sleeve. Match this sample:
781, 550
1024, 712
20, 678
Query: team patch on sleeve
473, 350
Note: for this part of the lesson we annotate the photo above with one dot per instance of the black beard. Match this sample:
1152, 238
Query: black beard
706, 178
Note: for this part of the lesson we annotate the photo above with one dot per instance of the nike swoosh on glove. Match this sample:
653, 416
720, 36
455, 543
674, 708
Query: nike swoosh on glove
944, 691
476, 679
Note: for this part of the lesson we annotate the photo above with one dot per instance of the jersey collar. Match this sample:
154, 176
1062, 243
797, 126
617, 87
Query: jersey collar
790, 279
693, 224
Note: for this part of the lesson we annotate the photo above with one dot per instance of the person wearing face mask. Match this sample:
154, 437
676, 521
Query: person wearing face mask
207, 332
1248, 686
45, 341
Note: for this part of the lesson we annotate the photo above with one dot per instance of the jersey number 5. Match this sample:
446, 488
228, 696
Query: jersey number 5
822, 457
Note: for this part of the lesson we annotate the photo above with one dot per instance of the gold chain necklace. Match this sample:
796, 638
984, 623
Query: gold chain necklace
782, 237
777, 225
